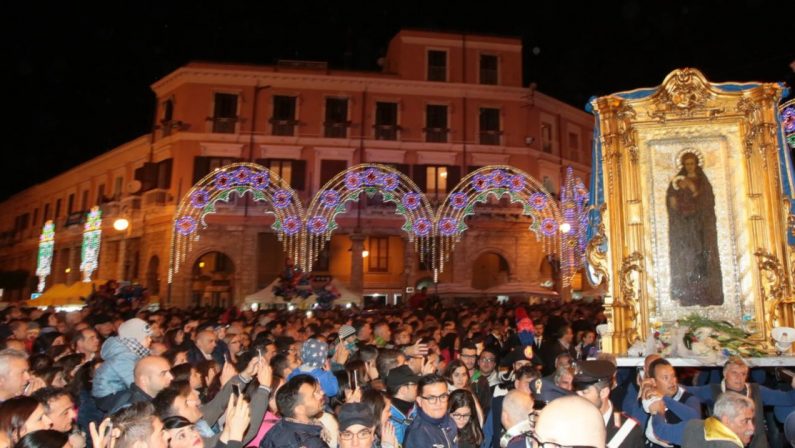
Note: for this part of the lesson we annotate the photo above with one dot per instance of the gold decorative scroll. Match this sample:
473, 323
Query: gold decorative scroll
719, 146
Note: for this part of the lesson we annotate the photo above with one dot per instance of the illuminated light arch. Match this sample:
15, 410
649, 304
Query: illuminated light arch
347, 186
497, 181
220, 185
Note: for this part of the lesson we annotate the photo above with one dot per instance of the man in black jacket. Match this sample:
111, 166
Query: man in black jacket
300, 402
152, 374
594, 382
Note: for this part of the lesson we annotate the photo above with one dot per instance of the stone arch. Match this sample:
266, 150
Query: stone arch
239, 179
207, 291
498, 181
490, 268
347, 186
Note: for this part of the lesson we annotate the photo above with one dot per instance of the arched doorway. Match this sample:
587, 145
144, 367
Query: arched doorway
153, 275
212, 281
490, 269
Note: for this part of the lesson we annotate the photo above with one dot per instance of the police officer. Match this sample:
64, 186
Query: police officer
594, 381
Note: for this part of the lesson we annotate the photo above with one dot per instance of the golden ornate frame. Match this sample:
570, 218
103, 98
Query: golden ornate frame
639, 133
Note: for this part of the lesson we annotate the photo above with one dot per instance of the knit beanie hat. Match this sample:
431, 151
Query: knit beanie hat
313, 353
136, 329
346, 331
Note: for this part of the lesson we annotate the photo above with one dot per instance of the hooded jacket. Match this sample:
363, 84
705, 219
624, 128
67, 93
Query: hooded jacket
116, 372
426, 431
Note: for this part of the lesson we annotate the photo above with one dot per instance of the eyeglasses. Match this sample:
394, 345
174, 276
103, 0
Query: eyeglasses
488, 360
458, 416
363, 434
542, 444
433, 399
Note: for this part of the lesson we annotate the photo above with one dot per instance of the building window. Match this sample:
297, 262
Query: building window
35, 217
489, 126
378, 259
330, 168
283, 120
546, 137
436, 123
118, 182
436, 181
225, 113
322, 262
46, 215
292, 172
57, 208
164, 168
168, 117
84, 203
100, 194
386, 121
488, 69
437, 65
70, 204
336, 124
574, 146
203, 166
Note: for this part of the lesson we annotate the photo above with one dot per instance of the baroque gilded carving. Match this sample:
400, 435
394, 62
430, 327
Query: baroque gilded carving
597, 258
774, 284
629, 296
683, 93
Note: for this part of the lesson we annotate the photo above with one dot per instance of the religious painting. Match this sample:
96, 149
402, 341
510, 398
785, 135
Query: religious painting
690, 195
693, 235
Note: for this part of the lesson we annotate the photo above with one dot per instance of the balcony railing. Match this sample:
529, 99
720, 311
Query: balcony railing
490, 137
386, 131
436, 135
283, 127
224, 125
336, 129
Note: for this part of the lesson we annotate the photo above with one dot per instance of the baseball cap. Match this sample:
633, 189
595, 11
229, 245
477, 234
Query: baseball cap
400, 376
355, 413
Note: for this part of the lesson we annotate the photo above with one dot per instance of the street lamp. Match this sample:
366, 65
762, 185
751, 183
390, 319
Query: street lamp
121, 224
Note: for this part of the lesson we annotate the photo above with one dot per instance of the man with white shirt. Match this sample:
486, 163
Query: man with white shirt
594, 382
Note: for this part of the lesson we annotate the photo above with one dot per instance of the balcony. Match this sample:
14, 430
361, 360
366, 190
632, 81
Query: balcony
224, 125
386, 131
436, 135
156, 198
285, 128
490, 137
336, 129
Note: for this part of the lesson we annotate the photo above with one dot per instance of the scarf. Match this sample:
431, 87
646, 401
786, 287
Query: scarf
135, 347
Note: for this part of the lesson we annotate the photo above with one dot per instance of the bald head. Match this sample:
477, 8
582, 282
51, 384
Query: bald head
557, 419
153, 374
205, 341
516, 408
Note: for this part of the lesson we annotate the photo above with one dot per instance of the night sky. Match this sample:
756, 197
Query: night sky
78, 79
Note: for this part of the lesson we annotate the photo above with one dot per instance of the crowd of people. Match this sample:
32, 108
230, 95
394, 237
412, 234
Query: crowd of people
119, 374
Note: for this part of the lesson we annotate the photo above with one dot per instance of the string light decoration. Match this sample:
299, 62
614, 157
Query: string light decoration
221, 185
574, 210
46, 244
304, 234
497, 181
370, 179
92, 240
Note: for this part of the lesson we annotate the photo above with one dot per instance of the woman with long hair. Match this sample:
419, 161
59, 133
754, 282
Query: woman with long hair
462, 408
457, 375
22, 415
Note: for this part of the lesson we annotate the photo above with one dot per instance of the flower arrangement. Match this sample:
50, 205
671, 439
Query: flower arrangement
695, 336
707, 337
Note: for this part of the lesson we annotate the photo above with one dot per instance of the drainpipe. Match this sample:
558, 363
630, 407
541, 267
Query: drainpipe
464, 111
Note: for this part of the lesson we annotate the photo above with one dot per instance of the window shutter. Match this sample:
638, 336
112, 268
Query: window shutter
298, 174
201, 166
453, 177
420, 176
